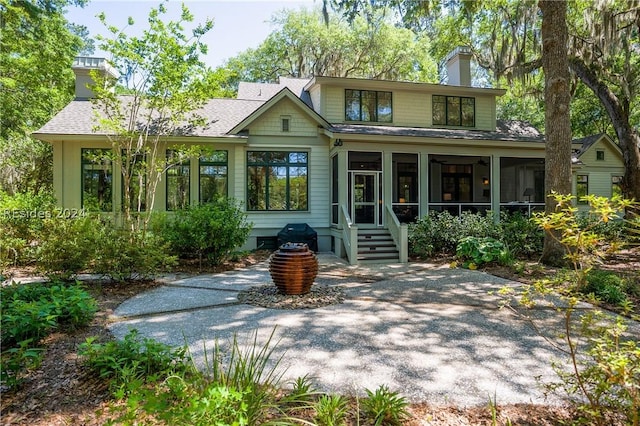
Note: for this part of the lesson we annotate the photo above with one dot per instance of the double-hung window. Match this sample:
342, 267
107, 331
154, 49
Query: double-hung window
277, 180
213, 176
368, 105
97, 180
453, 111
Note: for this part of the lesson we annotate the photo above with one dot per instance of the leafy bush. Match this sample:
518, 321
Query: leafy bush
68, 245
21, 223
604, 362
439, 232
476, 251
606, 286
29, 313
133, 360
123, 254
209, 231
385, 407
522, 236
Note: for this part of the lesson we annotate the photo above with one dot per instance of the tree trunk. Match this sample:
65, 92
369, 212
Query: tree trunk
628, 137
557, 99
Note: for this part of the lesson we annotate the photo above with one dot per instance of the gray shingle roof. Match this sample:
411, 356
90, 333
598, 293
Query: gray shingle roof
265, 91
505, 131
77, 118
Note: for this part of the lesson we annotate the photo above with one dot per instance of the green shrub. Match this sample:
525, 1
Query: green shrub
122, 254
439, 232
331, 410
32, 311
385, 407
21, 221
474, 251
606, 286
522, 236
209, 231
132, 361
29, 313
67, 246
212, 405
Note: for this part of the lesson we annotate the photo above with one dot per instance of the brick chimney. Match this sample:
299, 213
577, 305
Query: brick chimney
82, 66
458, 64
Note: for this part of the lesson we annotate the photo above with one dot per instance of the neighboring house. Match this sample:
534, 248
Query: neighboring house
355, 159
598, 167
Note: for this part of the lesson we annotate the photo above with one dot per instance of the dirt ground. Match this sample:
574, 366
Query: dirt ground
62, 392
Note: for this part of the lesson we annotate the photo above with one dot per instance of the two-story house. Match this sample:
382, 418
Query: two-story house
355, 159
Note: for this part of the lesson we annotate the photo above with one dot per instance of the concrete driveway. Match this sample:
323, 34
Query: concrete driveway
432, 333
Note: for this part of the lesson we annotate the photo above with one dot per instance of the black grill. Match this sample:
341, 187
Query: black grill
299, 233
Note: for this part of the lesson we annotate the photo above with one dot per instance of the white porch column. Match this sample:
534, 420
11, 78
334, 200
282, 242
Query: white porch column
495, 187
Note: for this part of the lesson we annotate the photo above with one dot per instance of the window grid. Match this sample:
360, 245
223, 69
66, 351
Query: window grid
97, 180
453, 111
368, 105
277, 181
213, 171
178, 183
582, 188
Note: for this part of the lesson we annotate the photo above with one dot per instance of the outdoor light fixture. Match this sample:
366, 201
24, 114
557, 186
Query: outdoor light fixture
337, 142
485, 180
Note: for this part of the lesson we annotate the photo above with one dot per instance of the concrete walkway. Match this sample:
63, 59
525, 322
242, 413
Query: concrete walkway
432, 333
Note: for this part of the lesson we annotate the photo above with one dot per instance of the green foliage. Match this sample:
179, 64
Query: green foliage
302, 394
385, 407
474, 251
32, 311
36, 49
210, 231
124, 254
303, 45
240, 386
331, 410
166, 83
21, 223
67, 247
29, 313
606, 286
522, 236
439, 232
604, 357
130, 362
582, 237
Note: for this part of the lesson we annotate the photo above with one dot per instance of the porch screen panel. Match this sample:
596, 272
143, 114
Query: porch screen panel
405, 188
97, 180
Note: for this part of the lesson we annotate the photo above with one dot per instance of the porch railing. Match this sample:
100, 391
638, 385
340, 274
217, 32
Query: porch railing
399, 233
456, 209
349, 236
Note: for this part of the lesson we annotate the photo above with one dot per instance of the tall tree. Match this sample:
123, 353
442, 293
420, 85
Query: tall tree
605, 55
37, 46
303, 46
557, 98
165, 83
